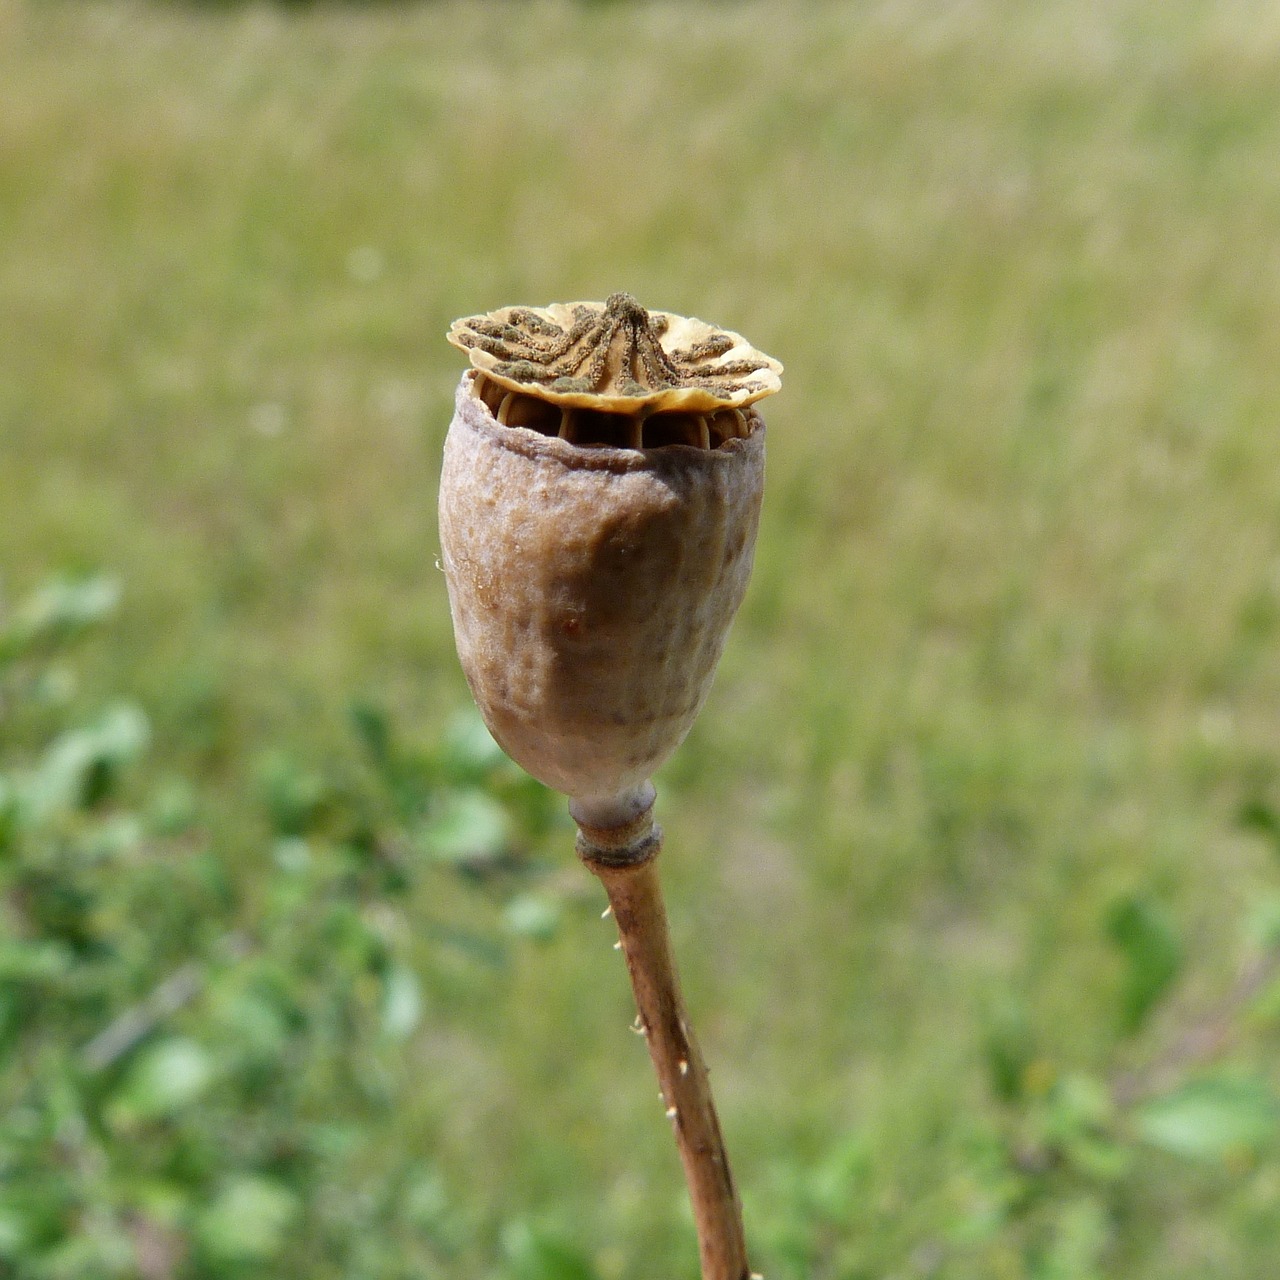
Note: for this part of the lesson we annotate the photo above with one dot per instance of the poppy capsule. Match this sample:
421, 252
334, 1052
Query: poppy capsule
599, 502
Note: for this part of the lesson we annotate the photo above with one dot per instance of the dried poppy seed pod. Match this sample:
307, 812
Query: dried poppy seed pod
598, 511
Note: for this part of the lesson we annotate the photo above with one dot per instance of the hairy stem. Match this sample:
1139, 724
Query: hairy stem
624, 859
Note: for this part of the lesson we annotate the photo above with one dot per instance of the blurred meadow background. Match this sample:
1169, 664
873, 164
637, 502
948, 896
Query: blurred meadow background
974, 855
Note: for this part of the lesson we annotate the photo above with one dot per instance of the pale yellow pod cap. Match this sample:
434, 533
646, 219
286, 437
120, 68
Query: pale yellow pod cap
617, 356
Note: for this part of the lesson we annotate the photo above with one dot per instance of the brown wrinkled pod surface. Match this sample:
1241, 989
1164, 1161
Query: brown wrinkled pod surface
592, 585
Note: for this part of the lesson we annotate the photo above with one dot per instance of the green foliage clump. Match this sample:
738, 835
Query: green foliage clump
199, 1071
195, 1069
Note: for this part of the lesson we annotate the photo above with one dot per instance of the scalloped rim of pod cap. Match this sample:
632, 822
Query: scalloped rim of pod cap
617, 357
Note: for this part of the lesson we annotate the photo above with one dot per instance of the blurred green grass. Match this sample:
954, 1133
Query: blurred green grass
1009, 657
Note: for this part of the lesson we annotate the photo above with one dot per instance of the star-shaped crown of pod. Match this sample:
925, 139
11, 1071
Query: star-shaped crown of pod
616, 356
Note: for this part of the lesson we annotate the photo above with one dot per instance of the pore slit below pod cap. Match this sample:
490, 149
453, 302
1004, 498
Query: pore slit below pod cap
598, 511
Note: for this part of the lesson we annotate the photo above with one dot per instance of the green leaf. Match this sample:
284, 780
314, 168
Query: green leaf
295, 798
174, 807
255, 1023
100, 1251
33, 962
468, 825
533, 915
1078, 1242
535, 1253
374, 731
401, 1003
1144, 933
117, 835
13, 1234
469, 752
249, 1221
1258, 816
1010, 1047
68, 604
10, 811
1262, 926
1078, 1104
1078, 1121
466, 942
58, 611
833, 1184
81, 766
1212, 1119
292, 854
423, 1198
164, 1079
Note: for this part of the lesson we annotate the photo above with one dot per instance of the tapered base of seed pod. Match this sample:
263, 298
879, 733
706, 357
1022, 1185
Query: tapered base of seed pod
592, 588
619, 842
